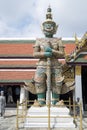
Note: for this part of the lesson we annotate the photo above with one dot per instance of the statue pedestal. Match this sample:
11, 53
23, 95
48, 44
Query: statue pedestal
63, 119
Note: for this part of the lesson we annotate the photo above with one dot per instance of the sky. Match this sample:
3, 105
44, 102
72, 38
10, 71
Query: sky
23, 18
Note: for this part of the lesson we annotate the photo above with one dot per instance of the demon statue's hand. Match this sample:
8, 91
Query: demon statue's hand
48, 54
48, 49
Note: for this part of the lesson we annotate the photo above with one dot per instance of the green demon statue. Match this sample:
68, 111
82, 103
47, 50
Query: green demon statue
52, 48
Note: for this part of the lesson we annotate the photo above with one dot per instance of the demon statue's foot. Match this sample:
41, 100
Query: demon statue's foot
55, 98
38, 104
60, 103
41, 99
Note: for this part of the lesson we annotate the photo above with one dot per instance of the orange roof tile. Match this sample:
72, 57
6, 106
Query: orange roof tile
25, 49
18, 63
16, 49
16, 75
69, 48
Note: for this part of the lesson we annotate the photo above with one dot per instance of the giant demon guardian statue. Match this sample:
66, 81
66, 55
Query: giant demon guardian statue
48, 76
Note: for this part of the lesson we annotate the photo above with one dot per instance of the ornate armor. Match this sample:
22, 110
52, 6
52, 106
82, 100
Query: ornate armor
55, 46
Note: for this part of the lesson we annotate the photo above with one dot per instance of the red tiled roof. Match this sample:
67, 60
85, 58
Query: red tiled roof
69, 48
17, 63
25, 49
16, 75
16, 49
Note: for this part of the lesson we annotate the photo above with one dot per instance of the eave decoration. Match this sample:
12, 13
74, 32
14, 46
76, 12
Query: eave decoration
81, 46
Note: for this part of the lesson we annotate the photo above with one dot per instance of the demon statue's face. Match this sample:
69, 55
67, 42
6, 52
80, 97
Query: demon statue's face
49, 28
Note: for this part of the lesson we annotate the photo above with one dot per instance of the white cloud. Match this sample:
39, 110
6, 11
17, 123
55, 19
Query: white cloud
22, 18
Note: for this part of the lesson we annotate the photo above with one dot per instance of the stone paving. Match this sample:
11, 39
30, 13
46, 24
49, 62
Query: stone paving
9, 122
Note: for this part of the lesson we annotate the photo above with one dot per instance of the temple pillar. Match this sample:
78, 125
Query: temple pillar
78, 84
23, 94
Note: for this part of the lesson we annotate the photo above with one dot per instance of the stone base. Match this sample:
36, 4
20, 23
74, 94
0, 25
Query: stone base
63, 119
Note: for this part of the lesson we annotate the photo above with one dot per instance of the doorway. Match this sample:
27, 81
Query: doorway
84, 87
12, 94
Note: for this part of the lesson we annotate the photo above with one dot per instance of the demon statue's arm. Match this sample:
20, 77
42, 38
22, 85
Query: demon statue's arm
54, 49
59, 52
40, 52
